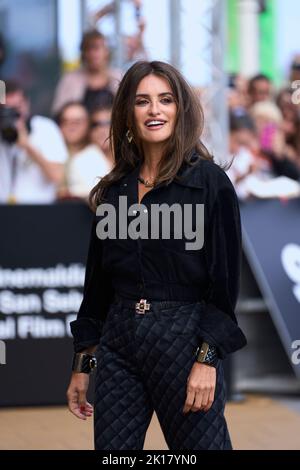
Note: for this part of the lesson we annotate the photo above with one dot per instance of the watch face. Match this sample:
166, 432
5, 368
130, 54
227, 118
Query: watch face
93, 363
207, 354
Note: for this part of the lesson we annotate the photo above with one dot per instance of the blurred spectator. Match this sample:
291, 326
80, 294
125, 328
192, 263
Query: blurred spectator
270, 128
235, 100
100, 127
32, 152
269, 125
259, 89
295, 69
242, 133
252, 164
291, 123
268, 120
86, 161
237, 93
93, 80
134, 48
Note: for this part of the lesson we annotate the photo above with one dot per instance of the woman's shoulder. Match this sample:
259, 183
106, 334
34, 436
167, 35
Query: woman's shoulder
218, 193
209, 174
215, 172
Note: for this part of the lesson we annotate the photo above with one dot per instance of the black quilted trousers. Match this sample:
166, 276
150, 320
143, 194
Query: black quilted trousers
143, 364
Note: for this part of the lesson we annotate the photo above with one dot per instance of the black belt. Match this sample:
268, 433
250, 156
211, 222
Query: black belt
143, 305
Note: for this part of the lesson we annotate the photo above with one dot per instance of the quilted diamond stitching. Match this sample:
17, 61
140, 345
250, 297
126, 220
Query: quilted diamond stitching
143, 367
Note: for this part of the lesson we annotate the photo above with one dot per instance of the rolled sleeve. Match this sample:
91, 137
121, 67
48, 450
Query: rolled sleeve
223, 255
97, 296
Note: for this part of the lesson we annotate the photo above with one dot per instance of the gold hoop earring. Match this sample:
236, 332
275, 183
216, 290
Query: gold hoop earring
129, 136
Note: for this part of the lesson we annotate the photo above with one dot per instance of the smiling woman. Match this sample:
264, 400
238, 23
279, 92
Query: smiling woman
151, 92
160, 312
155, 111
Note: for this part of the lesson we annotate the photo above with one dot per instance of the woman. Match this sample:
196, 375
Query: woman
133, 43
164, 314
259, 154
94, 80
291, 124
99, 130
86, 162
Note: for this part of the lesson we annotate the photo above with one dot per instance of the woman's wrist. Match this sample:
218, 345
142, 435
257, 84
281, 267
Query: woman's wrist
84, 362
207, 354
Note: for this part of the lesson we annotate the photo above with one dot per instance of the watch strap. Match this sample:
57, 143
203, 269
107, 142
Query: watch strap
84, 363
207, 354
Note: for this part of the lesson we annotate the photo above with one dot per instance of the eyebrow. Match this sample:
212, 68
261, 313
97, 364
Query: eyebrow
144, 95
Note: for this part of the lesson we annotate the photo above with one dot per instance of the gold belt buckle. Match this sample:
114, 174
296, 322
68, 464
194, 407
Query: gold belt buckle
142, 306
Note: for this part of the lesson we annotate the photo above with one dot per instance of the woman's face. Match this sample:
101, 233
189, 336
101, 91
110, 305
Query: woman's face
100, 125
96, 54
154, 110
74, 124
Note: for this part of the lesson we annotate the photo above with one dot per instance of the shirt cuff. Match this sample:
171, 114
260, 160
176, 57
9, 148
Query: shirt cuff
86, 332
219, 330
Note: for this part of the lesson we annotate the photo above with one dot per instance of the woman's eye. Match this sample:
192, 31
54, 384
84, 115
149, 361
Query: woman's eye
167, 100
141, 102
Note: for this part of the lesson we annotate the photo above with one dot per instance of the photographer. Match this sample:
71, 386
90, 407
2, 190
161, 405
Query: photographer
32, 152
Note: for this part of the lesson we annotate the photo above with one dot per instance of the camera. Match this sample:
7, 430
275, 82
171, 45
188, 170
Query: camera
8, 129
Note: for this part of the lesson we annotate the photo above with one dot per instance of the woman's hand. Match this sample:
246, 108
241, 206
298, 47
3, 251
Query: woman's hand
201, 386
76, 395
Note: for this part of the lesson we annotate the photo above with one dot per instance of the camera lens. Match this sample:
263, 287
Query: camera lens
8, 130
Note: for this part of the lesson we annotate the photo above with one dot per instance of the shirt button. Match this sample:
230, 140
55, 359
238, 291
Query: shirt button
145, 210
125, 184
134, 212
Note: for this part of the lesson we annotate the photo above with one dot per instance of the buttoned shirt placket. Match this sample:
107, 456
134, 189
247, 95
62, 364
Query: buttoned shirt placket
129, 188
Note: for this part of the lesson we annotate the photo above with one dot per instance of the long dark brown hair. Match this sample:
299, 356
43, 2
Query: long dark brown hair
184, 141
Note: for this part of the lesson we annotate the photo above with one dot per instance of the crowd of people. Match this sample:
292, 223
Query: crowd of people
62, 157
45, 159
264, 136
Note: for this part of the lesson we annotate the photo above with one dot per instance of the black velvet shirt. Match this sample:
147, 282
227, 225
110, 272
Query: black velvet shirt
163, 269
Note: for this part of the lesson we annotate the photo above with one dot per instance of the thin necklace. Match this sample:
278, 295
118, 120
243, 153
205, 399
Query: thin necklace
146, 182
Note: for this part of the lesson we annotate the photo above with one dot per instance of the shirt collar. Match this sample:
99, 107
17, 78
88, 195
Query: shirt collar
191, 176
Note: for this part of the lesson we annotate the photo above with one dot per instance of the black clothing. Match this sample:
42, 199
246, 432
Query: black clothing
162, 269
143, 365
97, 97
283, 166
